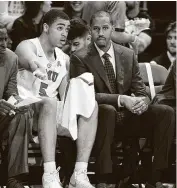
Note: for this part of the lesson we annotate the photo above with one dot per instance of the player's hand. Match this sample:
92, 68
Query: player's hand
38, 70
6, 108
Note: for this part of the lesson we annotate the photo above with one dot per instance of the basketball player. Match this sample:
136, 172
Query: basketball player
44, 74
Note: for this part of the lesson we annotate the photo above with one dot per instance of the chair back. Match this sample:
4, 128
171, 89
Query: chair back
157, 75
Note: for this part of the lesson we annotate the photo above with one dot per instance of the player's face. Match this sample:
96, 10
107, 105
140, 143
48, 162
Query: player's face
101, 29
3, 41
171, 42
78, 43
58, 32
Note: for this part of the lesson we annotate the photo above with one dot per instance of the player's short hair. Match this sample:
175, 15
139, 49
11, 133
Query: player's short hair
79, 28
51, 16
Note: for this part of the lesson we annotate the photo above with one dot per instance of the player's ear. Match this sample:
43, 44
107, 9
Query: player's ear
89, 39
45, 27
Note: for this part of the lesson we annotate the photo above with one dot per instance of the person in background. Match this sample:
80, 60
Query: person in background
142, 26
167, 58
28, 25
14, 121
123, 101
74, 9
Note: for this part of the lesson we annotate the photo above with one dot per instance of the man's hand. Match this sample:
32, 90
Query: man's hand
6, 108
141, 106
134, 104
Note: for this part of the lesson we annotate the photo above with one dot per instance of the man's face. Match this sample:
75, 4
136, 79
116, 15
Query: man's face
77, 6
78, 43
101, 30
3, 41
171, 42
58, 32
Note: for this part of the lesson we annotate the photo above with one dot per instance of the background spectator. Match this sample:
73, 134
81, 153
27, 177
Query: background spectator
28, 25
167, 58
74, 9
139, 21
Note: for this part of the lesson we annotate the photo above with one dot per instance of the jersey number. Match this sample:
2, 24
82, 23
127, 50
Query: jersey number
42, 89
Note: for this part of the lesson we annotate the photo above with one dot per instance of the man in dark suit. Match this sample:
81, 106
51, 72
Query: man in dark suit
13, 120
122, 99
167, 95
167, 58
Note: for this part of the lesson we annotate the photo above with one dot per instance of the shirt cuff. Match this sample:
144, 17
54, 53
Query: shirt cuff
119, 105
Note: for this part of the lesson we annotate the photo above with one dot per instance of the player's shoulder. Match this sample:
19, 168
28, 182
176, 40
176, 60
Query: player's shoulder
61, 55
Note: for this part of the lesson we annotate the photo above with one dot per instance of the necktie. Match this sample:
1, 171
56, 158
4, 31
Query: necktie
110, 73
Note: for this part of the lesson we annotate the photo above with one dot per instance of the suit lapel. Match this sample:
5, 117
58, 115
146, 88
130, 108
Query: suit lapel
97, 63
2, 80
119, 61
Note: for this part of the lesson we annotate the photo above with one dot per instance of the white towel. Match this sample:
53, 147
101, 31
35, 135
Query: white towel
79, 100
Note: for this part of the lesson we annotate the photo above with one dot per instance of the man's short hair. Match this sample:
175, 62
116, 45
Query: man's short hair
79, 28
101, 14
171, 27
50, 17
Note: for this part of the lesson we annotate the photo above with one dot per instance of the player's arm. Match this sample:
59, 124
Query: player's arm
26, 52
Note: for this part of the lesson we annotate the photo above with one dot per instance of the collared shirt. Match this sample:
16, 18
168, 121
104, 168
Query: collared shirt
112, 60
171, 58
111, 56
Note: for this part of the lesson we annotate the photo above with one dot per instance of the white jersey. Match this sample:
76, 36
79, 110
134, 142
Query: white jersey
29, 85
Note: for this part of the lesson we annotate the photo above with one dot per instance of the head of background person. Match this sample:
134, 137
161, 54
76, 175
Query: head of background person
170, 34
79, 35
74, 8
55, 27
3, 39
101, 29
33, 8
133, 8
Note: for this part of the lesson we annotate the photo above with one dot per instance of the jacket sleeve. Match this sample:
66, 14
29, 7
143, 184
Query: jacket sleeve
11, 86
77, 67
138, 87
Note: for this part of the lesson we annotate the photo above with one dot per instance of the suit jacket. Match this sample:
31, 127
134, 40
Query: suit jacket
8, 75
163, 60
128, 77
168, 93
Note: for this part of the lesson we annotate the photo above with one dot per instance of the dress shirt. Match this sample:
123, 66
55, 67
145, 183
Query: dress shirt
111, 56
112, 60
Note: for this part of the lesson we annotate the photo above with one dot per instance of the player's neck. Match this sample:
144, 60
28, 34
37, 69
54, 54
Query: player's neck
47, 48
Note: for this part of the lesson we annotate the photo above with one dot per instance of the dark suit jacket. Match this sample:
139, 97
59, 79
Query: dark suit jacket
8, 74
168, 93
128, 77
163, 60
